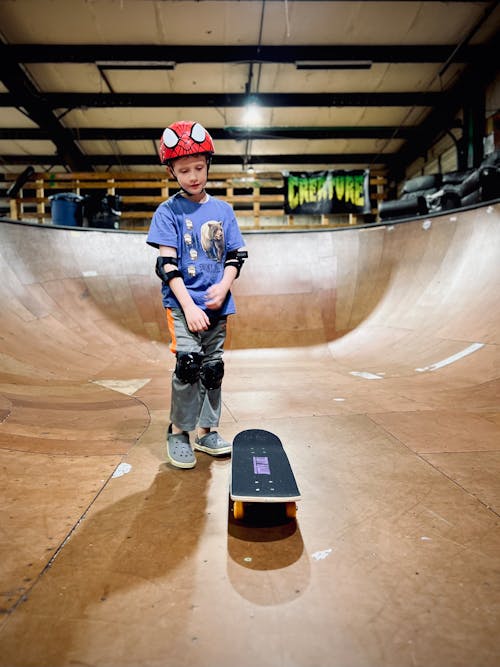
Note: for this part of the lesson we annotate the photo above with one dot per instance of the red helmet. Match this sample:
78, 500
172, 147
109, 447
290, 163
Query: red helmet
185, 137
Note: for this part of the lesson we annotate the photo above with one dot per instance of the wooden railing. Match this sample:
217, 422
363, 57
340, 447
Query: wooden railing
257, 199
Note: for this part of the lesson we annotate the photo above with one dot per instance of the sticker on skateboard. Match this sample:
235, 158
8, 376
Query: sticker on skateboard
261, 473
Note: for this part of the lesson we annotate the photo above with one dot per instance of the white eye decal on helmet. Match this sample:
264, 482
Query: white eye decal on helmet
198, 133
170, 139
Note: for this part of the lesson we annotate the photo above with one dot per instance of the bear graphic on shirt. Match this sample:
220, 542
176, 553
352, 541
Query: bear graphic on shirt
212, 240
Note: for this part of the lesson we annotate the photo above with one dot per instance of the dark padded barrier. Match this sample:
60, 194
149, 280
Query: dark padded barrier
432, 193
428, 182
413, 198
102, 211
402, 208
478, 185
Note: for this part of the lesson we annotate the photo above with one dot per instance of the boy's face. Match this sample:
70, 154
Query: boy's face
191, 173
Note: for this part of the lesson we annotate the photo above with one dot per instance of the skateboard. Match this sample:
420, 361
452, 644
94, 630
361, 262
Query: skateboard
261, 473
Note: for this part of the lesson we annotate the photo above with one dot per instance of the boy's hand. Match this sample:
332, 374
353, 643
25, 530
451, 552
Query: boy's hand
214, 298
196, 319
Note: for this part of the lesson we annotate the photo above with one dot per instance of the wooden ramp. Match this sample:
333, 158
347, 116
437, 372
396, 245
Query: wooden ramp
372, 353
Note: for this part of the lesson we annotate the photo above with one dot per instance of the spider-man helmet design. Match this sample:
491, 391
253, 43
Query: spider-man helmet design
185, 137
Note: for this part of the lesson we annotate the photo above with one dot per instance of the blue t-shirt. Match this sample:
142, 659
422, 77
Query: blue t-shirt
202, 234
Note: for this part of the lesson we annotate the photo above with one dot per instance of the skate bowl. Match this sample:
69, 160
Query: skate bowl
372, 352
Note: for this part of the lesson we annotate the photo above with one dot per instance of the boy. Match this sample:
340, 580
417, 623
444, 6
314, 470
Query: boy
199, 243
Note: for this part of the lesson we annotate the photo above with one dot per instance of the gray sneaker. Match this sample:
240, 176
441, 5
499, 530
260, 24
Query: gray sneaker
179, 451
213, 444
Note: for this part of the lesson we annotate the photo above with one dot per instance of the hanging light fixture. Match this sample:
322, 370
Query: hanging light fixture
252, 114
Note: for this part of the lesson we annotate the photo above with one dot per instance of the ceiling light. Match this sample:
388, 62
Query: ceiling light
333, 64
136, 64
252, 114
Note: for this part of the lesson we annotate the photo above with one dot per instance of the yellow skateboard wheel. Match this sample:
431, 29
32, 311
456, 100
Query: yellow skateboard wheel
238, 510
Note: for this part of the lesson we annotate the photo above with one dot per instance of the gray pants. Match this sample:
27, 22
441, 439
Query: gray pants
194, 405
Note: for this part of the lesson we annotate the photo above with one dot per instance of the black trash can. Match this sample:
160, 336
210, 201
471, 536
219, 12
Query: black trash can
67, 209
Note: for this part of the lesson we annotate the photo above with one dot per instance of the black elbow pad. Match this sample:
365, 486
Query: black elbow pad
166, 276
236, 258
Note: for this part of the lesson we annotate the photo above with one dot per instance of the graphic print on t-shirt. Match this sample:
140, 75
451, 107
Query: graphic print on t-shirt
212, 239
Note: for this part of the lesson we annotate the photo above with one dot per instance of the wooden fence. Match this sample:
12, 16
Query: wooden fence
257, 199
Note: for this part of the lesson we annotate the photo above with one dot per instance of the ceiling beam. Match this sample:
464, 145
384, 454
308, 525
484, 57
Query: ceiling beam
363, 159
190, 53
311, 133
228, 133
164, 100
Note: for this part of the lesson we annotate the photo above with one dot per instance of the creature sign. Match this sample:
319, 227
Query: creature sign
323, 192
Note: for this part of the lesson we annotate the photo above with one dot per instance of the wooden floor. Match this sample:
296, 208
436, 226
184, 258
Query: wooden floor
372, 353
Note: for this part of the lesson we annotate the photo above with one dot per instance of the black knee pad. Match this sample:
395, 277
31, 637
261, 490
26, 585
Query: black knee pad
212, 374
188, 366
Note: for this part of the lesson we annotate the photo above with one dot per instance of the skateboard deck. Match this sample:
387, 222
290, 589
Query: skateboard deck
261, 472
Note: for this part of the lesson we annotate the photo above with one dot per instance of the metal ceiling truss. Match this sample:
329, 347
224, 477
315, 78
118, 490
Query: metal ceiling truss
236, 160
41, 107
162, 100
236, 54
229, 133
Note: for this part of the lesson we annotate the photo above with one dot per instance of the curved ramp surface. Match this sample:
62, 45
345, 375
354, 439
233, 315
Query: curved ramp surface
372, 353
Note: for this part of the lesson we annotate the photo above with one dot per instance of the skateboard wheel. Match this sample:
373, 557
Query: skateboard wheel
291, 510
238, 510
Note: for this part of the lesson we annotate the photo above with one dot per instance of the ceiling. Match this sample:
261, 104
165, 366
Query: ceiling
90, 84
